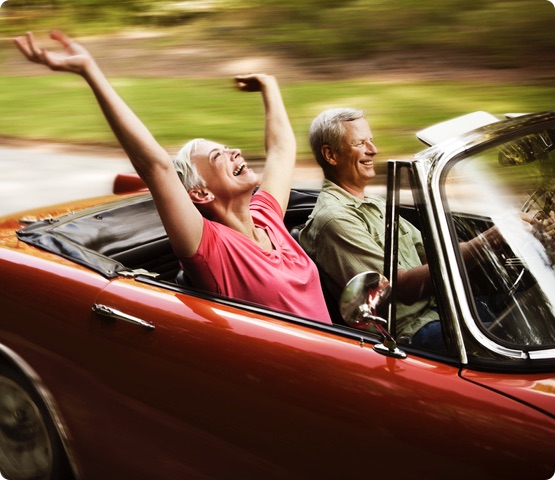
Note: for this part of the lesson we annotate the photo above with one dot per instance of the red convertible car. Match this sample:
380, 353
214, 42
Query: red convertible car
112, 368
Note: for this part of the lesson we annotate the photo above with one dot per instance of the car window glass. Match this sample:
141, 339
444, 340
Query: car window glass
511, 282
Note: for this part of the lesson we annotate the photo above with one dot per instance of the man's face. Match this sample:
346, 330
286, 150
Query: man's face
355, 158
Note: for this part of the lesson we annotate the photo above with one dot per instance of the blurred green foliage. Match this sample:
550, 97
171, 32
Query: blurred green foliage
493, 33
501, 33
61, 108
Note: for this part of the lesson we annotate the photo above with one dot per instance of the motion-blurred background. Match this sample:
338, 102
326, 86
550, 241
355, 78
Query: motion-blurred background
407, 63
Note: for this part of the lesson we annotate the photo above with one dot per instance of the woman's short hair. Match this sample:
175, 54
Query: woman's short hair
186, 169
327, 129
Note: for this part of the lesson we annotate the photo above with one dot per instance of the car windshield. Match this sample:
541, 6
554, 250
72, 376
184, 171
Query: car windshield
511, 283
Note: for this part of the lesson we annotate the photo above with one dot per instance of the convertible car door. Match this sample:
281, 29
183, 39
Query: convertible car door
217, 391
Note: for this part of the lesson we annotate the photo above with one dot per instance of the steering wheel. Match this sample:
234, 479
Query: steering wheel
542, 202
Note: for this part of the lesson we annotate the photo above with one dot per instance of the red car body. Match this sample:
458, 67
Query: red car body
176, 383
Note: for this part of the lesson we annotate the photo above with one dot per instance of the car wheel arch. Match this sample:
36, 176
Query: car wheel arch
10, 361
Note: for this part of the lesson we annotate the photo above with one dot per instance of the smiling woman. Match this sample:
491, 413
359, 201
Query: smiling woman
235, 243
93, 316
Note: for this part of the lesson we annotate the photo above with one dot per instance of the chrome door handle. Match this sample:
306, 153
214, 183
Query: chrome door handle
117, 315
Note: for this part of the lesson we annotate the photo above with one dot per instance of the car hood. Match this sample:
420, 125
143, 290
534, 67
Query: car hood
536, 390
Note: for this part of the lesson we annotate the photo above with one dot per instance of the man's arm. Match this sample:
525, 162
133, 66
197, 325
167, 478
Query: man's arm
346, 248
414, 284
279, 139
342, 249
181, 219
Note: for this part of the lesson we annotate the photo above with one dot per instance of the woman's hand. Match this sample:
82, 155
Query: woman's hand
253, 82
75, 58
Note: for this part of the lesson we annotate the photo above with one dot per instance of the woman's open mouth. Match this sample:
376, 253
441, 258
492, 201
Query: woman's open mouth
239, 169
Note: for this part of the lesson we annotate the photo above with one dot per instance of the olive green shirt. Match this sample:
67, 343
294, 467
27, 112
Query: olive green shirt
346, 236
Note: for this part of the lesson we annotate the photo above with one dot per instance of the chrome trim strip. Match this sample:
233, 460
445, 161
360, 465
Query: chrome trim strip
425, 174
109, 312
542, 354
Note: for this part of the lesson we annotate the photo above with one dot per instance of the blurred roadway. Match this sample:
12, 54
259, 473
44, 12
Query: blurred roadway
38, 174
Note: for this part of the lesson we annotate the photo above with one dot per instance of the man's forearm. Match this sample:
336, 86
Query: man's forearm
414, 284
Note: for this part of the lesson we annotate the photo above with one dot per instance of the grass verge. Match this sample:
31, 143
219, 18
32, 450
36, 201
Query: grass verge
61, 108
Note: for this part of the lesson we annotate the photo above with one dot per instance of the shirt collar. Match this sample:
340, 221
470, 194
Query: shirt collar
343, 195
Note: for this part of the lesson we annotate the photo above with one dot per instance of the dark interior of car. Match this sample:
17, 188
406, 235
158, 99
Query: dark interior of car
127, 237
156, 255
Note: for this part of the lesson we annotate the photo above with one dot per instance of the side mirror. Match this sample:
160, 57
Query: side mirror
358, 304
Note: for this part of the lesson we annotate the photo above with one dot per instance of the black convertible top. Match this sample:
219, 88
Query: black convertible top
126, 237
95, 237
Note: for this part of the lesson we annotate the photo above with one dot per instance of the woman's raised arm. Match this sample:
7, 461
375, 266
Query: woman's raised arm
279, 138
182, 220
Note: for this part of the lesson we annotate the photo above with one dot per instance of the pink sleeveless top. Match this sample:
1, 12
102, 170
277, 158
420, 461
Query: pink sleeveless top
231, 264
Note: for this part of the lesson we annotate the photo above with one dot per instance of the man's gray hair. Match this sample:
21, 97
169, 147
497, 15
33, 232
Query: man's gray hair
328, 129
186, 169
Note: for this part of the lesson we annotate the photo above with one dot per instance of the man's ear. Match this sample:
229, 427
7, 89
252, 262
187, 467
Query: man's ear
201, 195
328, 154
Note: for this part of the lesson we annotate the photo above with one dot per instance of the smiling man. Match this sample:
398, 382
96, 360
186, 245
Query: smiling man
345, 234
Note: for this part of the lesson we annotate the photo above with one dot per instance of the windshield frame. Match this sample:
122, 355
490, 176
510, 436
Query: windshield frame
438, 161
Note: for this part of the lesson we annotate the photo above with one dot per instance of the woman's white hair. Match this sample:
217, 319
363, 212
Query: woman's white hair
186, 169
